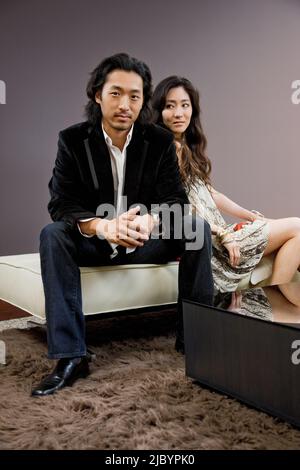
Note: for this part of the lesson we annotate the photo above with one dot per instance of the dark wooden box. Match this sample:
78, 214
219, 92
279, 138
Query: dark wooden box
250, 359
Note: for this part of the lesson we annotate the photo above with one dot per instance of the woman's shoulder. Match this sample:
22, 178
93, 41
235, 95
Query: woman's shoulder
200, 184
199, 190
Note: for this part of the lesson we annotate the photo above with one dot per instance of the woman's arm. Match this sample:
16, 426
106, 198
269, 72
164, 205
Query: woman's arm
228, 206
230, 244
215, 229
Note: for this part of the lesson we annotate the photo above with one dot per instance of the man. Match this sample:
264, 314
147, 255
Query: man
112, 156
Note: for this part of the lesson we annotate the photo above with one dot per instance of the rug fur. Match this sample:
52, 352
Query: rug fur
137, 397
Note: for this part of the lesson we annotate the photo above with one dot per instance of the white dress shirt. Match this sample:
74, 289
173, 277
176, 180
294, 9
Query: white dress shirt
118, 166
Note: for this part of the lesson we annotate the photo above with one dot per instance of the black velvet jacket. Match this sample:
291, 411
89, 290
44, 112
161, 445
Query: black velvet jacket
82, 177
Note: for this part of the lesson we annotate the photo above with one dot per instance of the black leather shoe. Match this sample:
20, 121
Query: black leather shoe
179, 345
64, 374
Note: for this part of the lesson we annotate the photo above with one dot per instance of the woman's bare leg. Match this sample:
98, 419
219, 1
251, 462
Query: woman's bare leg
284, 237
285, 308
291, 292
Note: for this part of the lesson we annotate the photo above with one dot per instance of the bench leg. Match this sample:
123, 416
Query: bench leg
33, 323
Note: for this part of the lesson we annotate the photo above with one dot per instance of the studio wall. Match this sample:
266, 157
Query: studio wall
241, 55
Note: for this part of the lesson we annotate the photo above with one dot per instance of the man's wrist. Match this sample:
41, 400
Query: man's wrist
89, 227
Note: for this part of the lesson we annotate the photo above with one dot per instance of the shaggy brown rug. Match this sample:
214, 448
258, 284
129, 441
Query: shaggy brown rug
137, 397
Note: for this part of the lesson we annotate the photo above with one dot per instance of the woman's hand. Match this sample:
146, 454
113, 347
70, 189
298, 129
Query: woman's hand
254, 215
233, 249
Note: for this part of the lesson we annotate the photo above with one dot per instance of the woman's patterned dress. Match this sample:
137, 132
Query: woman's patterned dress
252, 239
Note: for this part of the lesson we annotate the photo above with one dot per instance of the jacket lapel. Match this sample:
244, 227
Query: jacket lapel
100, 165
99, 162
135, 160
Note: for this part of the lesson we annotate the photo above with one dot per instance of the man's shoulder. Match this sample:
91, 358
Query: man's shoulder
80, 130
151, 132
155, 132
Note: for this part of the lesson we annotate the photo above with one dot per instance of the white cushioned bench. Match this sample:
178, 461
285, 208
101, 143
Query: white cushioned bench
105, 288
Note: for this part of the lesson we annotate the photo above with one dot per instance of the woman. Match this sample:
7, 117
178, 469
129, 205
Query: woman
237, 248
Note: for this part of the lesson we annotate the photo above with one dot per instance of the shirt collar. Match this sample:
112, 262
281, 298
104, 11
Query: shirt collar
109, 141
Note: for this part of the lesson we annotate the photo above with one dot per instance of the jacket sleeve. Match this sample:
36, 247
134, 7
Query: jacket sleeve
173, 201
170, 189
68, 201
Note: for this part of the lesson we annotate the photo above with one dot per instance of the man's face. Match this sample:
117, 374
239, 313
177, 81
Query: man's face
121, 100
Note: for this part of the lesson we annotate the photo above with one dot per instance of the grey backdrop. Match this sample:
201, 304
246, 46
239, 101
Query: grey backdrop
242, 55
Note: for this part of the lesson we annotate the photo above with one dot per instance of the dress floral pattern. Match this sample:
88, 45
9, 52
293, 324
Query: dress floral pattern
252, 239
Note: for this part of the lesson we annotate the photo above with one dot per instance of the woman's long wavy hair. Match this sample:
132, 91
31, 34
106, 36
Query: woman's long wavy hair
194, 164
121, 61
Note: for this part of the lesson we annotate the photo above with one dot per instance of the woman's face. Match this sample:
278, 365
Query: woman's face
178, 111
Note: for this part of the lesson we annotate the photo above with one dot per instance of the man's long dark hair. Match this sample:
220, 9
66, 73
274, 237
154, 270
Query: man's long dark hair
120, 61
194, 164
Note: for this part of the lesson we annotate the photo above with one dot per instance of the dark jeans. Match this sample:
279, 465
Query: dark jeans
62, 252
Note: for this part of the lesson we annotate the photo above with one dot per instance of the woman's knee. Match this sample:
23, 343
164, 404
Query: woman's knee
280, 232
297, 239
295, 226
290, 226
